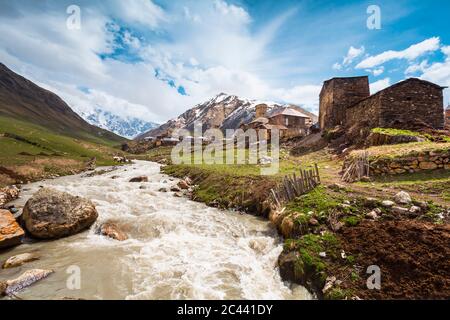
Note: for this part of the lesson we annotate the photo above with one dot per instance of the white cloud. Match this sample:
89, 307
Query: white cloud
439, 73
411, 53
143, 12
379, 85
446, 50
417, 67
337, 66
306, 95
230, 10
377, 72
352, 54
206, 47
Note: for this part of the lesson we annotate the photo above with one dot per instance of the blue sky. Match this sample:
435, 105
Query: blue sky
155, 59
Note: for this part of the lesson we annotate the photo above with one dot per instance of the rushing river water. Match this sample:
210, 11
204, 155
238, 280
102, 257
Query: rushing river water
177, 248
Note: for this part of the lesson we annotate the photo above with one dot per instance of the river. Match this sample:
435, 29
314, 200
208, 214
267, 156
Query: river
177, 248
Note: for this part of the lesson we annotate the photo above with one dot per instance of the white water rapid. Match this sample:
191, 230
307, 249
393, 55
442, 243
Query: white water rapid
178, 249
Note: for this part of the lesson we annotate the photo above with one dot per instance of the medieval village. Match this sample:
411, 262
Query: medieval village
366, 182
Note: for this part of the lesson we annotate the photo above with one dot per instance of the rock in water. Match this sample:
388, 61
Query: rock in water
20, 259
139, 179
25, 280
51, 214
182, 184
91, 164
10, 231
402, 198
111, 230
3, 287
8, 194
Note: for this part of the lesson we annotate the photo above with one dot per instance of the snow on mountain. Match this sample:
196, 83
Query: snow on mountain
222, 112
128, 127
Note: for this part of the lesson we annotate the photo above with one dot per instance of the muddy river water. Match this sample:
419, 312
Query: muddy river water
177, 248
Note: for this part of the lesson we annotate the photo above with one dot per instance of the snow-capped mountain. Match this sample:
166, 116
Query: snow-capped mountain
222, 112
126, 127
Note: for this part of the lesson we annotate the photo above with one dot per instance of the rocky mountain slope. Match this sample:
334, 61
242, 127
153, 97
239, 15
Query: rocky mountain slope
125, 127
23, 100
223, 112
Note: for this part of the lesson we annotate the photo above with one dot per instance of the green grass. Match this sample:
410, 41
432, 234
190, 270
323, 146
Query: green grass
39, 141
226, 189
434, 182
403, 149
309, 247
352, 221
396, 132
317, 201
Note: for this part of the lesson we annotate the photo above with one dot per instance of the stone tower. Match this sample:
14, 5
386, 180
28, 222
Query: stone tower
337, 94
261, 111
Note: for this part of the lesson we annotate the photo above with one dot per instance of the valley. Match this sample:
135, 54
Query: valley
41, 137
380, 201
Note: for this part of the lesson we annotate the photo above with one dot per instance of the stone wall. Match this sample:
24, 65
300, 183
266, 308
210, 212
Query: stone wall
412, 104
424, 161
364, 115
261, 111
336, 95
447, 118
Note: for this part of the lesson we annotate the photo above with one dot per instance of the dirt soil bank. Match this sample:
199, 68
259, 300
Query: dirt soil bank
414, 258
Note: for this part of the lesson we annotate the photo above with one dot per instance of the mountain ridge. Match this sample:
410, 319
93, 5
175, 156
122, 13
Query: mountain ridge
222, 111
22, 99
128, 127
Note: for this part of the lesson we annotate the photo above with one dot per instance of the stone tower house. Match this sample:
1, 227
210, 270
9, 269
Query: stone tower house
261, 111
336, 95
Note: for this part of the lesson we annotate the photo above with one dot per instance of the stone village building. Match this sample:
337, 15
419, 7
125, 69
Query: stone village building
447, 118
409, 104
289, 121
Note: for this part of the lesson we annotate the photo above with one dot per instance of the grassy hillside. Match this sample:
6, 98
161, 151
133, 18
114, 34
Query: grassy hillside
31, 152
23, 100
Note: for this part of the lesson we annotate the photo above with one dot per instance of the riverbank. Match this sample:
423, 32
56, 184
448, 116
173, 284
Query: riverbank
337, 232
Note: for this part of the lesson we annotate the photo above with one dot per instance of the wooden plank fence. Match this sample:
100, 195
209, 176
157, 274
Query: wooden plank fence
294, 186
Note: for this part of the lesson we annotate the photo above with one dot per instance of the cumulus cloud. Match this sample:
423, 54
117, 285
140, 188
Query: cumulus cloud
352, 54
202, 48
379, 85
143, 12
439, 73
411, 53
417, 67
230, 10
135, 57
377, 72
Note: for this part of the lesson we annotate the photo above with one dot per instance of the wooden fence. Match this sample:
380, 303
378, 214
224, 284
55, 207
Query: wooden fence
357, 167
294, 186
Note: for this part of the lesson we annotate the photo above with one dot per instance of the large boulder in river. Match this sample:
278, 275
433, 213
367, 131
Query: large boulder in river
51, 214
10, 231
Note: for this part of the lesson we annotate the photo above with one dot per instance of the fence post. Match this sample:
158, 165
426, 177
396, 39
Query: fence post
317, 172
